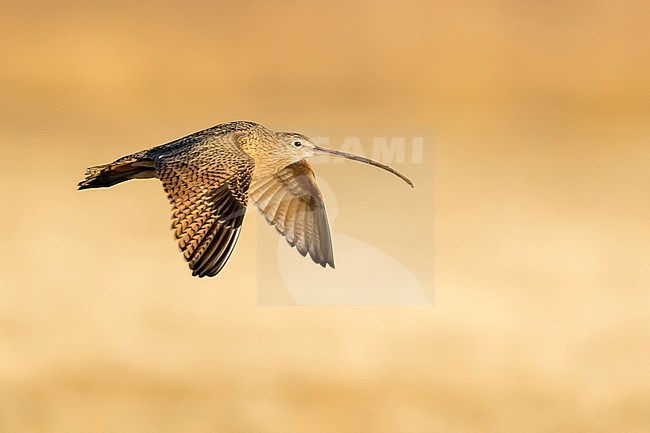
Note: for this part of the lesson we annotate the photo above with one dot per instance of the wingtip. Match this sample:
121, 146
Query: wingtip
323, 262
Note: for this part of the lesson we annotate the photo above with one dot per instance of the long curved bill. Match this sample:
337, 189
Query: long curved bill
324, 151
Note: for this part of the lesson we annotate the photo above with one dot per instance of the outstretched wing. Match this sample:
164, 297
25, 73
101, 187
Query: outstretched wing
207, 184
291, 201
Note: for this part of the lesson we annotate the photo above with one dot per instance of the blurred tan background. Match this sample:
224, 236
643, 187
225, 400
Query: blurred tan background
542, 244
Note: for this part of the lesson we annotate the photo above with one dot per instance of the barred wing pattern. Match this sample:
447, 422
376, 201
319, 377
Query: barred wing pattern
291, 201
208, 189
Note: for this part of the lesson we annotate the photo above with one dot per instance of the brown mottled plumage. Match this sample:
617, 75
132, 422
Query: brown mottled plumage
210, 175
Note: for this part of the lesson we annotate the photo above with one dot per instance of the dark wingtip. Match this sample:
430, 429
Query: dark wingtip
323, 262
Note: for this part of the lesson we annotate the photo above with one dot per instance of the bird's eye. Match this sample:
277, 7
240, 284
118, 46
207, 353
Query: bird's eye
297, 143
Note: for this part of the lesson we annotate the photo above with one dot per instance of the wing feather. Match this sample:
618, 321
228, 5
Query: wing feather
208, 189
291, 201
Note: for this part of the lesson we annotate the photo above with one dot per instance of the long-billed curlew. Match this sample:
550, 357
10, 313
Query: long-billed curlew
209, 176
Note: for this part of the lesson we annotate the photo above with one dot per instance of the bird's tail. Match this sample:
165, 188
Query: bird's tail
135, 166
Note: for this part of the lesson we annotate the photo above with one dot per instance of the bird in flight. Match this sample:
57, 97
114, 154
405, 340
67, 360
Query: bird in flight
209, 177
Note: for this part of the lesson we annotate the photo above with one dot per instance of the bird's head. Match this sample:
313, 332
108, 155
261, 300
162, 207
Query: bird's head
296, 146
